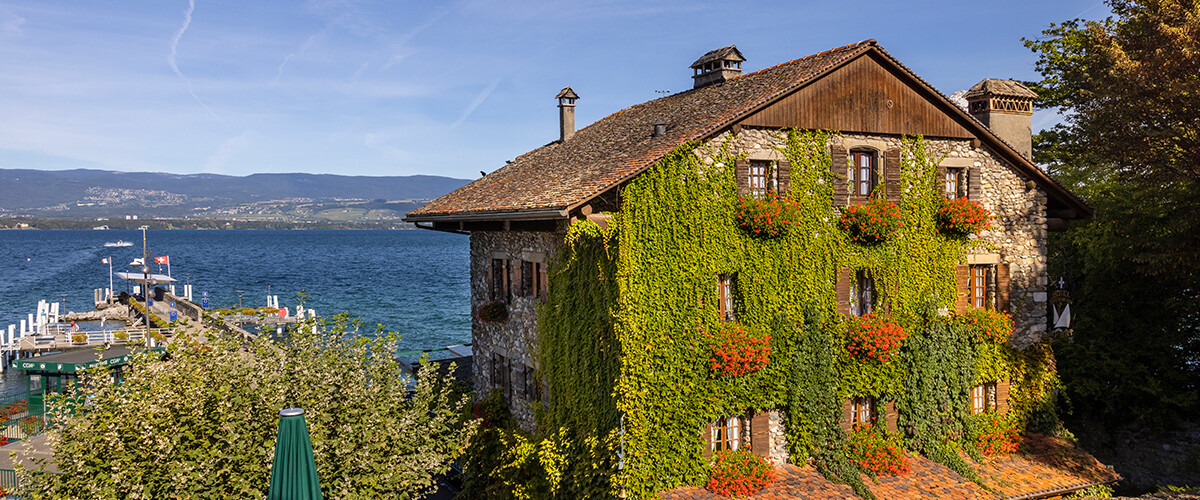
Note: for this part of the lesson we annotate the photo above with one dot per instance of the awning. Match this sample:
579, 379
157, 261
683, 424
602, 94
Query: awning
141, 278
79, 360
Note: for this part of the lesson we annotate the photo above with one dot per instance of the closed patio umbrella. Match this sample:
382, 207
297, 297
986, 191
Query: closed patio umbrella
294, 471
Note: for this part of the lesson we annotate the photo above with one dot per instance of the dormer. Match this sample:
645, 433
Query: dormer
717, 66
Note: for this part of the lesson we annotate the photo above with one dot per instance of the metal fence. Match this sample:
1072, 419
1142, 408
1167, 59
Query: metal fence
21, 420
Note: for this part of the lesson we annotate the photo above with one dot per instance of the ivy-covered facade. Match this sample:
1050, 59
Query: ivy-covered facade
767, 262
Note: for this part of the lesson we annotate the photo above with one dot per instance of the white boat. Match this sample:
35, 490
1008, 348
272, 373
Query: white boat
119, 243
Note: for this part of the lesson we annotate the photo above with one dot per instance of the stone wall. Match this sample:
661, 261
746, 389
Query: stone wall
515, 338
1146, 459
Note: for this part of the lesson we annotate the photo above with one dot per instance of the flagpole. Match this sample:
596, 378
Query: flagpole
110, 280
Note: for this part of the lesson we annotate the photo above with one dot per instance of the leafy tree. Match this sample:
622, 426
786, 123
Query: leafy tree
201, 423
1129, 87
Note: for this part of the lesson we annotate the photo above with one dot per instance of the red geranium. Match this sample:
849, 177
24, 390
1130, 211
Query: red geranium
739, 473
873, 337
988, 325
876, 452
996, 434
960, 217
768, 216
738, 350
871, 222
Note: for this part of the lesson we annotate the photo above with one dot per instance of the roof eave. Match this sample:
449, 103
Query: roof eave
550, 214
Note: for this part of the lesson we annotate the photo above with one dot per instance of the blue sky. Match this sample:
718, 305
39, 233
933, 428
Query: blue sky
402, 87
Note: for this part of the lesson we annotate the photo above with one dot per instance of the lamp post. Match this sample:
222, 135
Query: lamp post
239, 292
146, 283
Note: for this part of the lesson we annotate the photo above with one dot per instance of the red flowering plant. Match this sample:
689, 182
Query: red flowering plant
493, 312
739, 473
769, 216
960, 217
738, 349
989, 326
994, 434
874, 337
876, 452
31, 425
871, 222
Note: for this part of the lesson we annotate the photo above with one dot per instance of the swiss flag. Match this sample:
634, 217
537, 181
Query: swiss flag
104, 260
162, 259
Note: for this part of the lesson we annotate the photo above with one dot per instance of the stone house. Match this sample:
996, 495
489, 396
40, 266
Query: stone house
517, 216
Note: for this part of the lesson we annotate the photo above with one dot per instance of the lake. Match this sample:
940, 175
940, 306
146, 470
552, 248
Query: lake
415, 282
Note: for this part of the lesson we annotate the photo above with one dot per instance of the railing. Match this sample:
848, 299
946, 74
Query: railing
63, 340
21, 420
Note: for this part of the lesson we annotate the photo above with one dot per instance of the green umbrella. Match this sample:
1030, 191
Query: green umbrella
294, 472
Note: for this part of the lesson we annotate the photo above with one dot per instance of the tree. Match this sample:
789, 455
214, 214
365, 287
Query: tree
1129, 87
201, 422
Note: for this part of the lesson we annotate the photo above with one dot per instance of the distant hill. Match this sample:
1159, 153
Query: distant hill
100, 193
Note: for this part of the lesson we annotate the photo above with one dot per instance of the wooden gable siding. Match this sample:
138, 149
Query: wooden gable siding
854, 98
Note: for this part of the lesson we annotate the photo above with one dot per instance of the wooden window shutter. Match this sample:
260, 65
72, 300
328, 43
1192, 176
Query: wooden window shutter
741, 169
706, 438
890, 417
973, 190
515, 274
962, 285
1002, 389
760, 434
941, 179
846, 416
838, 164
1003, 285
783, 176
892, 175
842, 291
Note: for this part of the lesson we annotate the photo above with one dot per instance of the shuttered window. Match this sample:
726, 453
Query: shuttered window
983, 398
864, 177
760, 177
527, 278
979, 287
862, 294
541, 280
954, 183
499, 289
726, 434
725, 296
500, 374
862, 410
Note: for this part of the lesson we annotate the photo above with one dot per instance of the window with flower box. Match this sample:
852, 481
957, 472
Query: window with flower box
863, 177
980, 285
983, 286
757, 177
862, 410
500, 282
760, 176
726, 434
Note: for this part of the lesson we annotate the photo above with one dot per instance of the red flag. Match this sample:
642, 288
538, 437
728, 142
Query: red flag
162, 259
104, 260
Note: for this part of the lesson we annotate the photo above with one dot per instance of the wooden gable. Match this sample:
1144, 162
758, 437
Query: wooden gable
866, 95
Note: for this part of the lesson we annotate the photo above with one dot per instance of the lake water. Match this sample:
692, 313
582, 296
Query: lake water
415, 282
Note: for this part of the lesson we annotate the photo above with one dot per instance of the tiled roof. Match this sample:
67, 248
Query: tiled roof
1048, 468
564, 175
996, 86
560, 175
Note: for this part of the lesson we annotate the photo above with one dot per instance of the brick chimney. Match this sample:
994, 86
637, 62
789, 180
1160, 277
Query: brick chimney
1006, 107
717, 66
566, 113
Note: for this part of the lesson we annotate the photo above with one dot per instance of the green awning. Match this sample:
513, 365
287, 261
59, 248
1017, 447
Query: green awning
294, 471
79, 360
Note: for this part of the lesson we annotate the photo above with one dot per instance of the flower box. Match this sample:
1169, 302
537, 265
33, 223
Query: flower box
990, 326
871, 222
739, 473
738, 350
872, 337
995, 434
493, 312
876, 452
961, 217
767, 217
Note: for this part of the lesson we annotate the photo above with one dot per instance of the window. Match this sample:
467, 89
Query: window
979, 285
760, 177
726, 434
863, 176
862, 295
983, 398
500, 374
500, 289
955, 182
530, 385
862, 410
527, 278
725, 296
541, 280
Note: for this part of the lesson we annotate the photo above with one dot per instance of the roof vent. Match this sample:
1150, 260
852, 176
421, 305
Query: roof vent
566, 113
717, 66
660, 128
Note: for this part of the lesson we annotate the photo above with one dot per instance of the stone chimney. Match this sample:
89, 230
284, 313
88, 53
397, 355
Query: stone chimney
717, 66
566, 113
1006, 107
